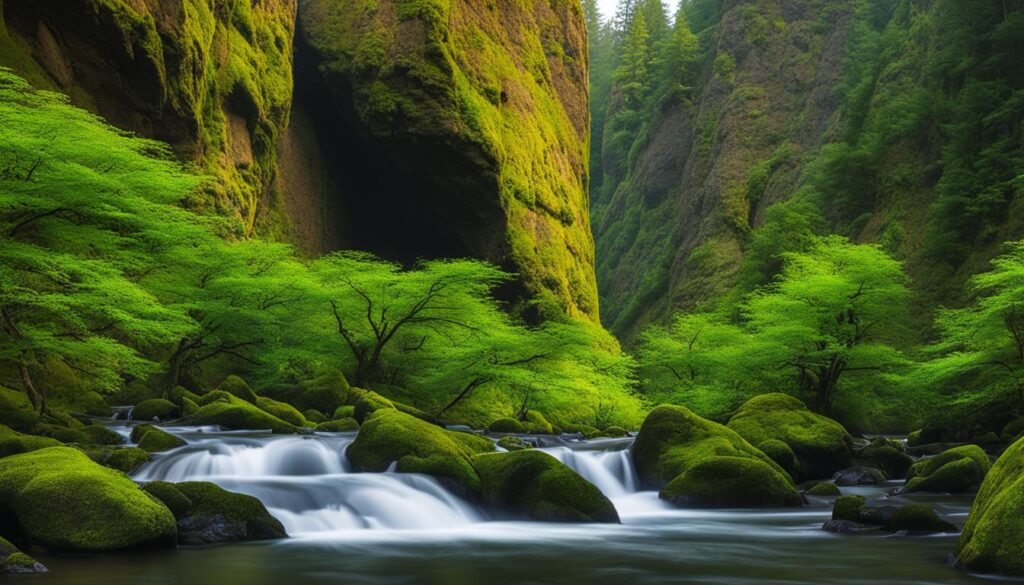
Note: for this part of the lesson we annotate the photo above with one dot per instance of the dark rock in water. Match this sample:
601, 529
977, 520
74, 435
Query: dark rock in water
889, 456
878, 515
209, 514
859, 476
825, 488
511, 443
918, 518
13, 560
847, 527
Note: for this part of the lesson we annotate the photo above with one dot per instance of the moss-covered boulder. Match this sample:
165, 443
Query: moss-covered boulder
614, 432
780, 453
91, 403
957, 470
179, 394
16, 409
283, 411
13, 561
238, 388
153, 439
853, 514
341, 425
731, 482
821, 445
315, 416
824, 489
510, 443
208, 514
323, 393
506, 425
700, 463
214, 396
881, 454
126, 459
156, 409
388, 436
918, 518
535, 422
233, 413
993, 538
369, 403
535, 485
344, 411
13, 443
61, 500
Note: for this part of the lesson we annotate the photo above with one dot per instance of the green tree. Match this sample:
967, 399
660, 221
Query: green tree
632, 76
836, 309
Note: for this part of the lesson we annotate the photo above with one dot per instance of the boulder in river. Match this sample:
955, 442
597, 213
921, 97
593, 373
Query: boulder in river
957, 470
208, 514
238, 388
283, 411
14, 561
156, 409
152, 439
506, 425
341, 425
886, 455
700, 463
993, 538
231, 412
859, 476
537, 486
510, 443
61, 500
13, 442
851, 514
389, 436
821, 445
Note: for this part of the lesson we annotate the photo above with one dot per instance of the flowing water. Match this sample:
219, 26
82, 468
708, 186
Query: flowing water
391, 528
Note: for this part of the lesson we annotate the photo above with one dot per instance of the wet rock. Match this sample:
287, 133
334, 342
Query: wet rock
859, 476
208, 514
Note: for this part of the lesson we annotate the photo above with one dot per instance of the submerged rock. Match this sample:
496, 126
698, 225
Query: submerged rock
821, 445
697, 462
535, 485
388, 436
13, 561
208, 514
851, 514
859, 476
957, 470
63, 501
993, 538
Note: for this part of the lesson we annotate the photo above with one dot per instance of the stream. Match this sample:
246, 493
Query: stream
391, 528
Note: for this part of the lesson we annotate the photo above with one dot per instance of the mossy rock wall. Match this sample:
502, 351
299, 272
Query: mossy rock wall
212, 78
993, 538
480, 110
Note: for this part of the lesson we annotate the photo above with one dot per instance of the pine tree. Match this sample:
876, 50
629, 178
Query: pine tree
682, 51
633, 73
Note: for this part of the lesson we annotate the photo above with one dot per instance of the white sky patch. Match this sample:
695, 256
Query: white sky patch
608, 7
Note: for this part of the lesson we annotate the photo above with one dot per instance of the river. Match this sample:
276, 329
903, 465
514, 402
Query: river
390, 529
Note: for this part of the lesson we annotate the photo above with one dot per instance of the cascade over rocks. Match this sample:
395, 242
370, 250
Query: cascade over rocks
208, 514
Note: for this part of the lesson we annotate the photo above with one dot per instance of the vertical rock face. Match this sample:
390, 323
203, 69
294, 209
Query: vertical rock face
449, 128
410, 128
672, 234
212, 78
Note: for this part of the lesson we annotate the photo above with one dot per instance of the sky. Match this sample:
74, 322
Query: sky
608, 7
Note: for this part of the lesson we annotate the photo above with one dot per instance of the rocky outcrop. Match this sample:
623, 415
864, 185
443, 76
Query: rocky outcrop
213, 79
453, 129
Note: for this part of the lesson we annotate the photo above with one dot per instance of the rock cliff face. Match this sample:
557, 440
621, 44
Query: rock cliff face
894, 122
213, 79
673, 232
410, 128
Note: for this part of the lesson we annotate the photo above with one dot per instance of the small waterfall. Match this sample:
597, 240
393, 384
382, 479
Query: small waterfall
308, 485
610, 471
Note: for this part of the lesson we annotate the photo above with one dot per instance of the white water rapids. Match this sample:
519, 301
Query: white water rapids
308, 484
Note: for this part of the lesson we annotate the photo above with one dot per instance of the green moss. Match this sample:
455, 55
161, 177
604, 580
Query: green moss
126, 459
614, 432
13, 442
825, 488
821, 445
848, 508
780, 453
388, 436
188, 407
672, 439
535, 485
510, 443
238, 388
957, 470
16, 410
153, 440
534, 422
234, 413
731, 482
283, 411
1013, 430
315, 416
101, 435
506, 425
179, 394
894, 462
63, 501
207, 513
156, 408
918, 518
20, 562
369, 403
346, 411
341, 425
991, 540
214, 396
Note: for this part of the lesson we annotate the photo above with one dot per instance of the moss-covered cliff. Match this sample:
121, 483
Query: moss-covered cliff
211, 78
465, 130
888, 121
